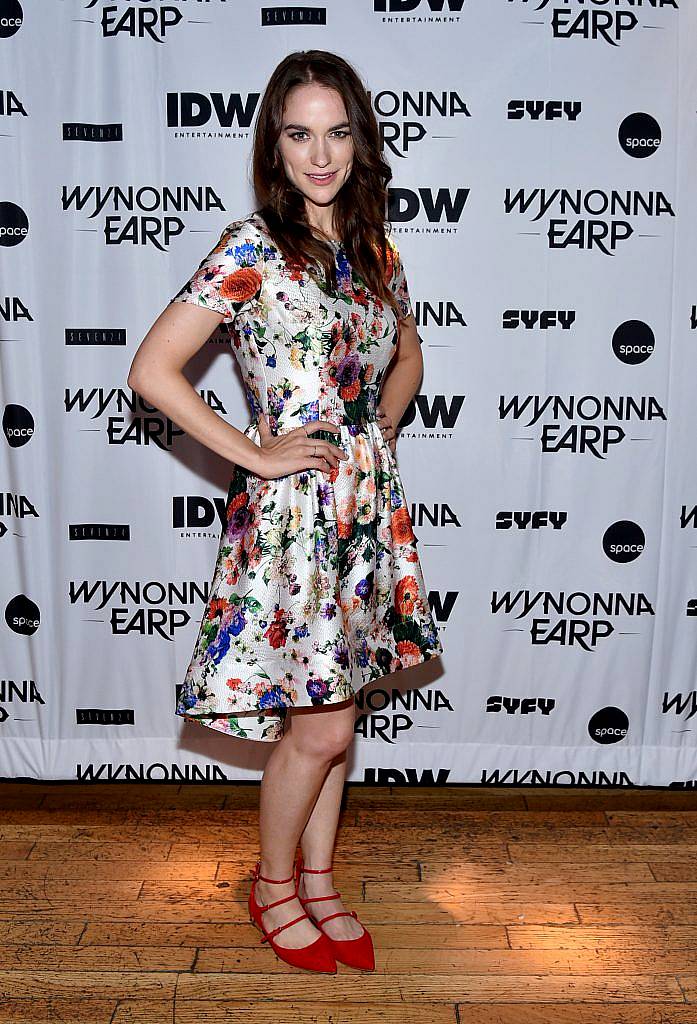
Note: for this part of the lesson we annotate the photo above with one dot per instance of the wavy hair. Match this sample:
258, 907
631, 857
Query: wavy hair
360, 205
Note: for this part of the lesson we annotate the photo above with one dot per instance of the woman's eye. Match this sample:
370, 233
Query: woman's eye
339, 133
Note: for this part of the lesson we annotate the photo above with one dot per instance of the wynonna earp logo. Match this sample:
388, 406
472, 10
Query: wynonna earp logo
153, 21
152, 608
541, 777
586, 219
146, 215
606, 20
571, 619
129, 419
154, 772
595, 435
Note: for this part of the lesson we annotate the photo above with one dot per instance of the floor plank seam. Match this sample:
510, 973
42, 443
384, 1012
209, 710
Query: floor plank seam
682, 989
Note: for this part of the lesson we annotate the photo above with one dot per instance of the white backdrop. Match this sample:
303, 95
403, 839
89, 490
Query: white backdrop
543, 199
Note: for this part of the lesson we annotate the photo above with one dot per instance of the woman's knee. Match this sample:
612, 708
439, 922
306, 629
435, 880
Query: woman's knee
323, 734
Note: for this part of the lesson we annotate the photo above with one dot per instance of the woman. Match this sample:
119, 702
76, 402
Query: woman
317, 587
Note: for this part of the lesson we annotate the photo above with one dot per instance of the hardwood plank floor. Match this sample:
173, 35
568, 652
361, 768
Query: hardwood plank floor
126, 904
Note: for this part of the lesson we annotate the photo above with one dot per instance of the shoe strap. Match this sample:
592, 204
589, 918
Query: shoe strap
315, 899
276, 903
316, 871
270, 935
278, 881
339, 913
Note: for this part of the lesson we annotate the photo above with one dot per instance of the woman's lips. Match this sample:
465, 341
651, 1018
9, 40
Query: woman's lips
320, 180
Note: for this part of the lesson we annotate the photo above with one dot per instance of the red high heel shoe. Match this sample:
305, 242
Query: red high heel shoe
352, 952
317, 956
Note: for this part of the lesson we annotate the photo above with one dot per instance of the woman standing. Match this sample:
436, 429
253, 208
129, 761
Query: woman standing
317, 588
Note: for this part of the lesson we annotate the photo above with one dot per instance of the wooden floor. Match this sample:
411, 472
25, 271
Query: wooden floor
127, 905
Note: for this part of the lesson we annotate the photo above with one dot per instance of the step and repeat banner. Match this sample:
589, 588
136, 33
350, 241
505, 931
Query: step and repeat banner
543, 199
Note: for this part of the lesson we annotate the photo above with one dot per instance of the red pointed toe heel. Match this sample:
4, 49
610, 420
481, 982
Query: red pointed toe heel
358, 952
317, 956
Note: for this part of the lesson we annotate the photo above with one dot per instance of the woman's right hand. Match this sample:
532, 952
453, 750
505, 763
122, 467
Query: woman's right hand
296, 450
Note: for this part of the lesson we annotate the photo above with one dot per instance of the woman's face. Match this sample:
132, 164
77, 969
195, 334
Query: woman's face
315, 143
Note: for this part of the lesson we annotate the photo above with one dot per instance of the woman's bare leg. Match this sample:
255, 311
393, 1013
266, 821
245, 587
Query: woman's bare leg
292, 780
317, 843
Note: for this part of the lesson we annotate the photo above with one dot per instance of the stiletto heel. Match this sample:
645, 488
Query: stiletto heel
352, 952
317, 956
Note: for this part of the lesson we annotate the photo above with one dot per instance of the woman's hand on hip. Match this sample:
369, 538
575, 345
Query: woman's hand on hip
296, 450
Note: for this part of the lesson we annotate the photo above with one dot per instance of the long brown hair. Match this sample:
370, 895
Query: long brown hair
361, 204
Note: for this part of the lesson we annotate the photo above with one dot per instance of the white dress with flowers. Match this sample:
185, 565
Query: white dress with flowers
317, 587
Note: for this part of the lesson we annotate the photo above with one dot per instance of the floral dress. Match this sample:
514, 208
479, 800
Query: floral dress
317, 588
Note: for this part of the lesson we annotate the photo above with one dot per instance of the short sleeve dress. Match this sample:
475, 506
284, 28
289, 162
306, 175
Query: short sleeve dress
317, 588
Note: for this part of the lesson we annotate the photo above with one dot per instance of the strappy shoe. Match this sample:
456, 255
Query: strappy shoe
352, 952
317, 956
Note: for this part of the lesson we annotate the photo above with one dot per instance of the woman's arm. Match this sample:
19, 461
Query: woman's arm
404, 373
156, 374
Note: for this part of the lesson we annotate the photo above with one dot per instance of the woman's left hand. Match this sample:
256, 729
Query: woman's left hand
387, 428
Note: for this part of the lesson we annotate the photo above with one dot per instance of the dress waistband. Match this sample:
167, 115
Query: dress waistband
342, 415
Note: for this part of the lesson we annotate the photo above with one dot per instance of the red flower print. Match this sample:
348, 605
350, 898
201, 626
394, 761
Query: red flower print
405, 592
402, 531
234, 684
236, 503
409, 652
277, 633
350, 392
241, 284
216, 607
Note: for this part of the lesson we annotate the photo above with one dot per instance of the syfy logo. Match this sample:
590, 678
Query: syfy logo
524, 705
543, 320
544, 110
534, 520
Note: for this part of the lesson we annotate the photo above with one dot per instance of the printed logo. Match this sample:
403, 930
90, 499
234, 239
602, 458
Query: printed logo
624, 541
609, 725
22, 615
639, 135
531, 520
633, 342
544, 110
521, 705
408, 777
11, 18
17, 425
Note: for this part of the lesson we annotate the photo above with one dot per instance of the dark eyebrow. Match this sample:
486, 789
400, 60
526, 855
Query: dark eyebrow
304, 128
